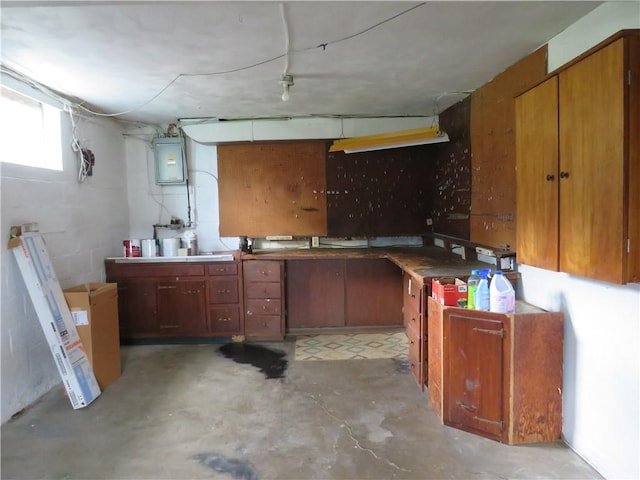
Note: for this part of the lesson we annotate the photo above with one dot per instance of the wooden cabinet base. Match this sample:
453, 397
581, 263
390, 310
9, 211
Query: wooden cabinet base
497, 375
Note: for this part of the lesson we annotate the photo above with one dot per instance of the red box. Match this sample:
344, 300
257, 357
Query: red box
447, 290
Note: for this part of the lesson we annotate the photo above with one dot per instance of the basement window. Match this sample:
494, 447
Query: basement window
30, 131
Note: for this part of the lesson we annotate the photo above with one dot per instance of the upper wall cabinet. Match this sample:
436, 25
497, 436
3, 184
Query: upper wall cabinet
578, 166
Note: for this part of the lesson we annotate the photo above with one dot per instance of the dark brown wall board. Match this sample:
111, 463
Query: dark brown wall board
385, 192
272, 189
452, 192
493, 161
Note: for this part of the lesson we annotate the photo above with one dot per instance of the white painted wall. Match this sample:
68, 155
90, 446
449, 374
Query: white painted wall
81, 224
151, 204
602, 321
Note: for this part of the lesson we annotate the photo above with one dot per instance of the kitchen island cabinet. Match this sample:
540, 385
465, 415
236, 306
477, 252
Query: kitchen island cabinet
497, 375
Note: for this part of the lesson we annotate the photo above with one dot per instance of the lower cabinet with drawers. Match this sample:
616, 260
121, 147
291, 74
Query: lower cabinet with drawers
413, 317
264, 299
224, 293
177, 299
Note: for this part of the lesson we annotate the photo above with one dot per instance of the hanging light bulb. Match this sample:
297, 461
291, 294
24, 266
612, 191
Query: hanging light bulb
286, 82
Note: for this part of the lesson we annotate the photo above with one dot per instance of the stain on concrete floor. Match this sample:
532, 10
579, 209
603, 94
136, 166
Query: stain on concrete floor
273, 363
236, 467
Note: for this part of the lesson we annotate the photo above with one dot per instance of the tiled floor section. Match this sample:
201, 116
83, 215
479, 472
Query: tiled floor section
351, 346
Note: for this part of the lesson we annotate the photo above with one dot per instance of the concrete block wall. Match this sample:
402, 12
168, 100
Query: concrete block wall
81, 224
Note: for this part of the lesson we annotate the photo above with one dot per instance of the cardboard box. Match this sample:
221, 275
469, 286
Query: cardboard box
94, 308
447, 290
55, 319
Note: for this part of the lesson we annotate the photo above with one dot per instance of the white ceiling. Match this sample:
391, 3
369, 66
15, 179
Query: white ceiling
163, 61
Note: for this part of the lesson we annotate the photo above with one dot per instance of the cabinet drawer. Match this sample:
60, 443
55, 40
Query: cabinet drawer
412, 319
224, 320
262, 270
264, 307
223, 268
263, 290
120, 270
414, 360
412, 295
263, 325
223, 290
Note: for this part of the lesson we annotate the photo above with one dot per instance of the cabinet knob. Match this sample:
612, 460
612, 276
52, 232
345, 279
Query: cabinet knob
564, 174
550, 178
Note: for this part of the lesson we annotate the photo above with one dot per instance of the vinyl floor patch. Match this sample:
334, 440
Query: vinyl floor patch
352, 346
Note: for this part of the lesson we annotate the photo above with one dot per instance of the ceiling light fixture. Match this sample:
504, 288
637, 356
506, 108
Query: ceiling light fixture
286, 81
383, 141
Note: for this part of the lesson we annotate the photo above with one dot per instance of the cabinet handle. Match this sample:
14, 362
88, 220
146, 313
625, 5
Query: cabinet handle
564, 174
168, 326
468, 408
499, 333
550, 178
223, 291
224, 319
166, 287
221, 270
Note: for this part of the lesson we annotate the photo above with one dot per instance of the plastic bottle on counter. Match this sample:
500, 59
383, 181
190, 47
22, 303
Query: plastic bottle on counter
502, 297
472, 286
481, 299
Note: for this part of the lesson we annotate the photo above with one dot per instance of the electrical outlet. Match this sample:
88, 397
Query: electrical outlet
315, 242
429, 221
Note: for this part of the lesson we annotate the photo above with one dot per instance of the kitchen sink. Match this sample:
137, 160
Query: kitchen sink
221, 257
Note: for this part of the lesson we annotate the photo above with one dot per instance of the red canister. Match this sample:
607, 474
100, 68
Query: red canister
132, 248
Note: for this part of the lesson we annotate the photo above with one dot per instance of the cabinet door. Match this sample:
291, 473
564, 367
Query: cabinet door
473, 372
537, 175
592, 165
315, 293
374, 293
181, 307
137, 308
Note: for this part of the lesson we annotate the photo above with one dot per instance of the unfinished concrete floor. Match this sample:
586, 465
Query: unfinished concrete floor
187, 412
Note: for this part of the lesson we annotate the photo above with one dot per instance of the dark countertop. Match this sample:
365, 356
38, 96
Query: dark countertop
422, 263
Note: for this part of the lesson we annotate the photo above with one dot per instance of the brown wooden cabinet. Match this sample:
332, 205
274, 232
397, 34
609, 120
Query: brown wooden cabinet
137, 306
578, 166
176, 299
497, 375
224, 283
315, 293
373, 293
181, 307
264, 298
351, 293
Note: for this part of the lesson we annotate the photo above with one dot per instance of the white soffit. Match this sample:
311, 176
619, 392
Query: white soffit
310, 128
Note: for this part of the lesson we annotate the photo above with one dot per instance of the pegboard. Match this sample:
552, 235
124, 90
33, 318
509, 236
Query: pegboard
452, 194
493, 162
386, 192
272, 189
